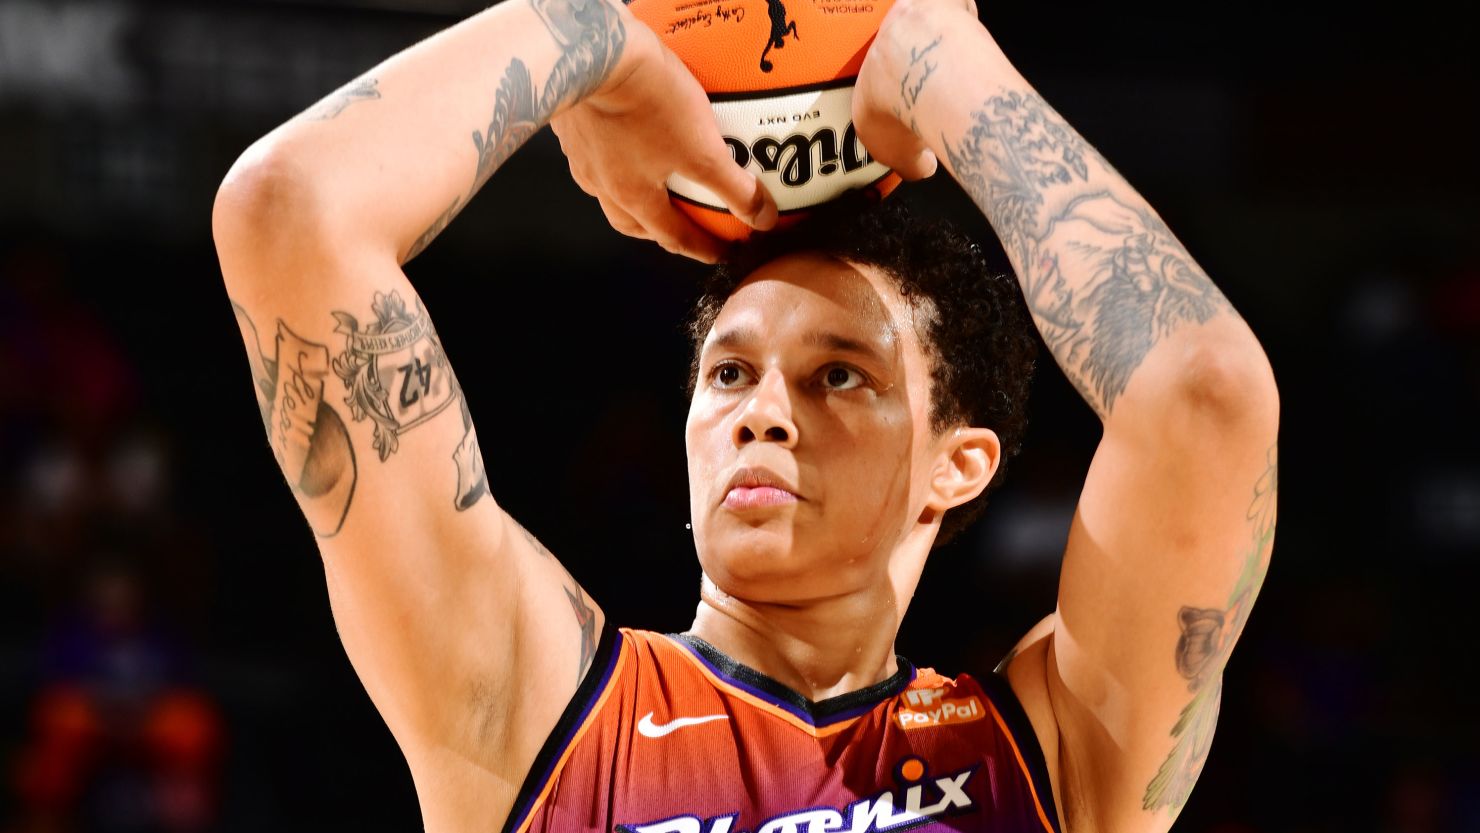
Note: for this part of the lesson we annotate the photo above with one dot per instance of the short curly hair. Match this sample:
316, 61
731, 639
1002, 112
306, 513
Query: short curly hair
977, 331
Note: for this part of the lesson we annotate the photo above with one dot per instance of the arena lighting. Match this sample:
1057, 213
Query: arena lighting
238, 59
66, 53
454, 8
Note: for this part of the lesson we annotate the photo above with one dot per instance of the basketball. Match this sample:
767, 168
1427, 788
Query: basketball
779, 74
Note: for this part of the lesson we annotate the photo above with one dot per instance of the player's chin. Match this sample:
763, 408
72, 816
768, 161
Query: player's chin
769, 535
751, 548
778, 562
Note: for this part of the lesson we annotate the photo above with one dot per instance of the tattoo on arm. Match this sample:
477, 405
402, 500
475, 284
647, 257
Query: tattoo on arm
912, 83
394, 369
534, 542
591, 37
433, 230
398, 377
361, 89
1202, 652
1103, 276
586, 618
309, 440
472, 480
516, 117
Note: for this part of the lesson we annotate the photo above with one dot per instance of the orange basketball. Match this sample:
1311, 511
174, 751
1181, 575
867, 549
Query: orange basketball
779, 74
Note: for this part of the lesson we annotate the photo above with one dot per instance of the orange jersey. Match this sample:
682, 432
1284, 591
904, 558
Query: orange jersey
668, 735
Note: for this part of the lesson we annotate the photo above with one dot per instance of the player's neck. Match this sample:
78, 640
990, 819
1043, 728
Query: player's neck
820, 649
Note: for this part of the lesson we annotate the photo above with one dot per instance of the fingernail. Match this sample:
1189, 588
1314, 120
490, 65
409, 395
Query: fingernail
766, 219
766, 216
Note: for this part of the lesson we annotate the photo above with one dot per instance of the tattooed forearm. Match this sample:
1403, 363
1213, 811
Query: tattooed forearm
1103, 276
1202, 652
362, 89
433, 230
1135, 285
1015, 152
309, 440
516, 117
591, 37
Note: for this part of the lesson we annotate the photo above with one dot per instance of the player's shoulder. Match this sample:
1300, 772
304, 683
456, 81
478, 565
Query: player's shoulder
1023, 676
665, 665
1024, 673
654, 652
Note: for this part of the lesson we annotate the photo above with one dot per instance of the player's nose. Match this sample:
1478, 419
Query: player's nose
766, 415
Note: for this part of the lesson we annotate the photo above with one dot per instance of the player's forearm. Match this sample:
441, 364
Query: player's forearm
390, 158
1107, 283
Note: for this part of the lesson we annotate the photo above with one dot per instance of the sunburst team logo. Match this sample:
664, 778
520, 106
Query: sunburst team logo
910, 806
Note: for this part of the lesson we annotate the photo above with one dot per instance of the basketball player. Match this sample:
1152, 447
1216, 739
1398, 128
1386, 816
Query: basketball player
780, 28
852, 403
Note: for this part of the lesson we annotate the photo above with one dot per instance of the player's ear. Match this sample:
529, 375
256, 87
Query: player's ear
968, 457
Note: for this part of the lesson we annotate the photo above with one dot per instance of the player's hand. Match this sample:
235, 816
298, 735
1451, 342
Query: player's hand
904, 58
649, 120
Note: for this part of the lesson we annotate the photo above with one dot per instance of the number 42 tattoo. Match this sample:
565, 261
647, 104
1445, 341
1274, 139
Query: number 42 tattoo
398, 377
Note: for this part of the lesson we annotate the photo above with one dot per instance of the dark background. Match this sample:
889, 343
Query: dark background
1319, 161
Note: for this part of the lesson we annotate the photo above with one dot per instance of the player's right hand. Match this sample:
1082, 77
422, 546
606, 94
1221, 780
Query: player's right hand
651, 119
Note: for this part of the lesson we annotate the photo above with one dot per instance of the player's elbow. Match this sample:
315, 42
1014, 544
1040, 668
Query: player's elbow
1228, 384
268, 210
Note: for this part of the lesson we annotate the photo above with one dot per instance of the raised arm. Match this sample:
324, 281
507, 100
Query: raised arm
469, 637
1173, 532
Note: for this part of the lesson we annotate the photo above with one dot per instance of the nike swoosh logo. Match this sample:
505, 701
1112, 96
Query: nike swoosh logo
648, 729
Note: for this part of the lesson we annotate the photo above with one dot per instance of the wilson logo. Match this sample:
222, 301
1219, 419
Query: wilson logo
799, 157
889, 810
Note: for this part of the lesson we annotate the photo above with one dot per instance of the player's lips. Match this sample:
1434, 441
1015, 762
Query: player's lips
752, 488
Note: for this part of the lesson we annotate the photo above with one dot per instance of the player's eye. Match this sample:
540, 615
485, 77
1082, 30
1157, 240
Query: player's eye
729, 375
843, 377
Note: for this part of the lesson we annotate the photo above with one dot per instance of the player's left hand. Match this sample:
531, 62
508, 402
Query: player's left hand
626, 138
904, 57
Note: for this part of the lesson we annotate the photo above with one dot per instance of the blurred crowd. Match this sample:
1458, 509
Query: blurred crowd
108, 724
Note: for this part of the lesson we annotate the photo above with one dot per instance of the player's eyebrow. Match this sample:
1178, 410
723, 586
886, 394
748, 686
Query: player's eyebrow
843, 344
731, 339
741, 337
